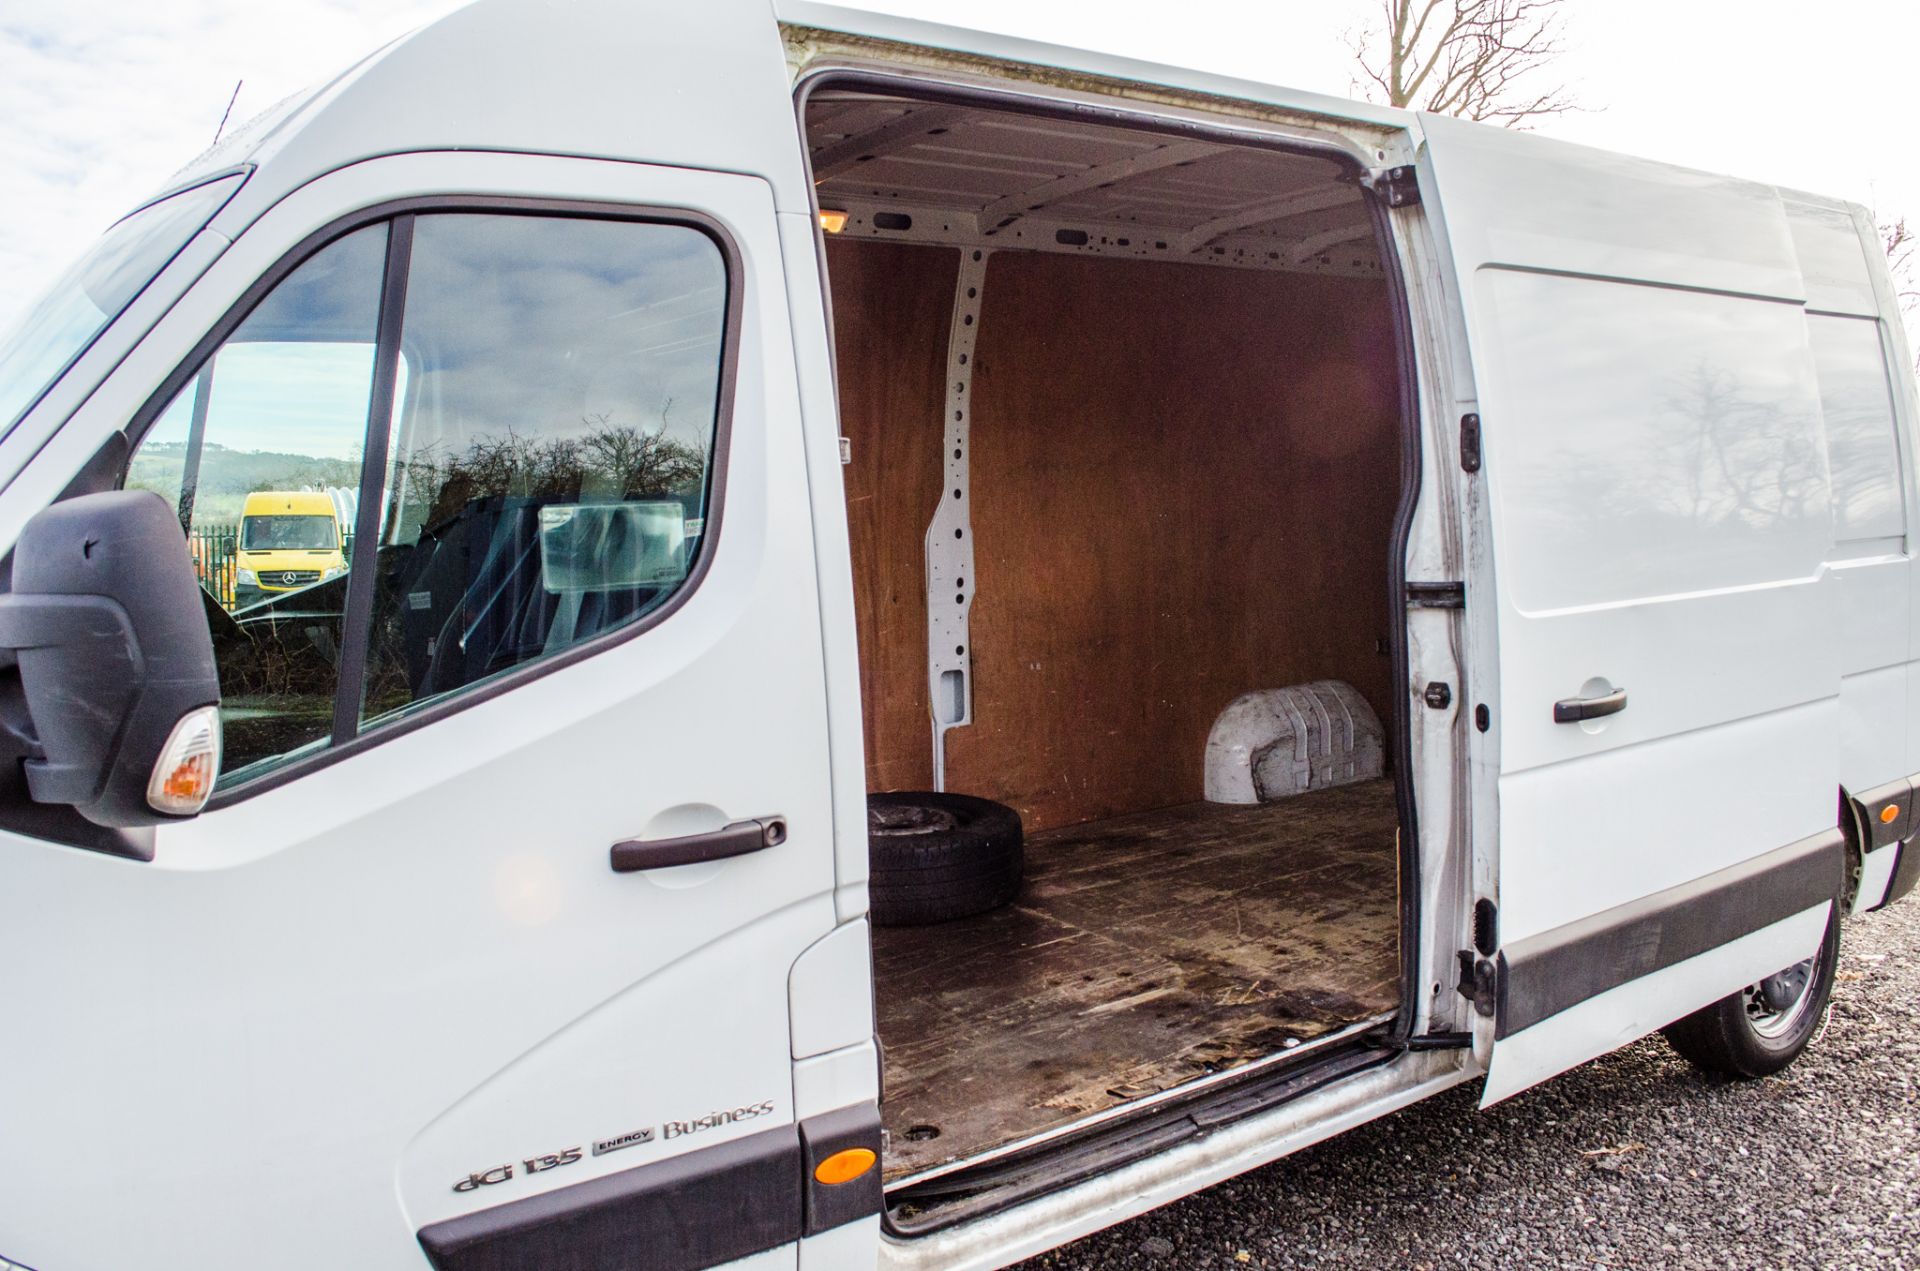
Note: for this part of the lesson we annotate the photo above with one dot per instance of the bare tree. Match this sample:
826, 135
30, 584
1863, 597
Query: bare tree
1903, 255
1478, 59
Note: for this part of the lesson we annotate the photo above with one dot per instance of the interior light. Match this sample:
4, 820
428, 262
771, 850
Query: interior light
845, 1166
189, 764
832, 222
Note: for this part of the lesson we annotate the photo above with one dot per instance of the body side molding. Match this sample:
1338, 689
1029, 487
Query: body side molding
701, 1209
1548, 973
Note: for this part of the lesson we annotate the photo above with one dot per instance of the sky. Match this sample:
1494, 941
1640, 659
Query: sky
102, 100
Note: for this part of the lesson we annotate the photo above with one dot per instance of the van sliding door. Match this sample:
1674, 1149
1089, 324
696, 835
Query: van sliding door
1656, 499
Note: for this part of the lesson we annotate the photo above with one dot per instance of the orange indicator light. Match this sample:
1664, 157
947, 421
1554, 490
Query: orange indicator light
1888, 813
844, 1167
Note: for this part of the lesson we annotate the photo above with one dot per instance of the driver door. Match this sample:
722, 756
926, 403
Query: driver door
484, 944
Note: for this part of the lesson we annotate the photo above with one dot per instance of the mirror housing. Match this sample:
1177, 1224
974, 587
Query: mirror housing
106, 624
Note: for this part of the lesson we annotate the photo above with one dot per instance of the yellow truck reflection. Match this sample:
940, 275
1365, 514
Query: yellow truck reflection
288, 540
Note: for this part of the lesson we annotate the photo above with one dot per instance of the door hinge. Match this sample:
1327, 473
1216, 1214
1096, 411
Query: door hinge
1470, 443
1479, 982
1437, 595
1398, 186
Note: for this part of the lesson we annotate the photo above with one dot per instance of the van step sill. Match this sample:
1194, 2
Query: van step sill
924, 1207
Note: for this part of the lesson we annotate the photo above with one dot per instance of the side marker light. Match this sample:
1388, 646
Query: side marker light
844, 1166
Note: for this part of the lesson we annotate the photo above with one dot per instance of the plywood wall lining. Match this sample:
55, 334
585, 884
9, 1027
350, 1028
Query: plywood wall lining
892, 305
1183, 486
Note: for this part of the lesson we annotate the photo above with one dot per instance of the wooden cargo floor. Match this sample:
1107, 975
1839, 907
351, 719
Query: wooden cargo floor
1142, 952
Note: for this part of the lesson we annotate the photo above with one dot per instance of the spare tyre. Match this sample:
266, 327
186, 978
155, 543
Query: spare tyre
936, 857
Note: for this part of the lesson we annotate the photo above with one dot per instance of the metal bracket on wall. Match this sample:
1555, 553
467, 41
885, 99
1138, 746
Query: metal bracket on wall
950, 580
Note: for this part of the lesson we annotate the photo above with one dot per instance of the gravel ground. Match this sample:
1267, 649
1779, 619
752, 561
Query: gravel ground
1634, 1160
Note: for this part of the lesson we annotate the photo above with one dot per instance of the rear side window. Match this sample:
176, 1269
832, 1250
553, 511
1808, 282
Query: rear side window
1863, 449
443, 447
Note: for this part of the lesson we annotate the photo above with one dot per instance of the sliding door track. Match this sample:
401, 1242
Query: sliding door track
958, 1193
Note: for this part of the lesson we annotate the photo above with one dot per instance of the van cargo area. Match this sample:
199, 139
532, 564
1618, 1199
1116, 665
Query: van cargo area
1124, 445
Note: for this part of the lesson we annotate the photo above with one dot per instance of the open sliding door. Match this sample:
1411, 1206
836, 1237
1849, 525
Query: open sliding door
1658, 503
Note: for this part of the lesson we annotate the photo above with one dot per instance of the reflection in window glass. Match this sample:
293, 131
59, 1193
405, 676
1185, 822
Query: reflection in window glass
548, 472
261, 455
1857, 406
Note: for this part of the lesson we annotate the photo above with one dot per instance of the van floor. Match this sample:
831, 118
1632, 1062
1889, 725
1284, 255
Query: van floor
1143, 952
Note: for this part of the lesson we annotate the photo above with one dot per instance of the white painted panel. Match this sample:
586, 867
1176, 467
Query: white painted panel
690, 85
1633, 1010
831, 992
852, 1247
1627, 823
1831, 259
1522, 199
350, 991
1873, 727
1647, 441
1660, 516
838, 1079
1686, 664
1869, 595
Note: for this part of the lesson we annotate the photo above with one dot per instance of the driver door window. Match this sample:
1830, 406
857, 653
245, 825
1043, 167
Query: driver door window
540, 477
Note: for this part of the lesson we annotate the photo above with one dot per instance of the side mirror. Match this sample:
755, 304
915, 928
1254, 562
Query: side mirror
116, 663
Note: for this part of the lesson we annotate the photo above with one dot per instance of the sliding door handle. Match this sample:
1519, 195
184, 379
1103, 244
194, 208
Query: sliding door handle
734, 840
1571, 710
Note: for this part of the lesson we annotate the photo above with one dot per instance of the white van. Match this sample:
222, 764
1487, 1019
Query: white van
1328, 604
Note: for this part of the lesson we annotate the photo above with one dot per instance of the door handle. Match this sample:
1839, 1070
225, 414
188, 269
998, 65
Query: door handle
736, 839
1571, 710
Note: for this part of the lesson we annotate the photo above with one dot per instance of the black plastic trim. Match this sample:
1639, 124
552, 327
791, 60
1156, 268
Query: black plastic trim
686, 1213
1871, 803
1546, 974
143, 420
830, 1205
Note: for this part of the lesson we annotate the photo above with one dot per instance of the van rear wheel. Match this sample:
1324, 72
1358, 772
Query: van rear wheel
1764, 1027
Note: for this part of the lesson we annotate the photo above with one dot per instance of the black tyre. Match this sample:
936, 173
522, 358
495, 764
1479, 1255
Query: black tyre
1764, 1027
936, 857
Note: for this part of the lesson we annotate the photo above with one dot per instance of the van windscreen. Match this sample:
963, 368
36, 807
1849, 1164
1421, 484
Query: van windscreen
288, 533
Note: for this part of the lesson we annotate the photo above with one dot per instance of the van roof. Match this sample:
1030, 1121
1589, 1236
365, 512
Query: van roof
287, 503
437, 89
